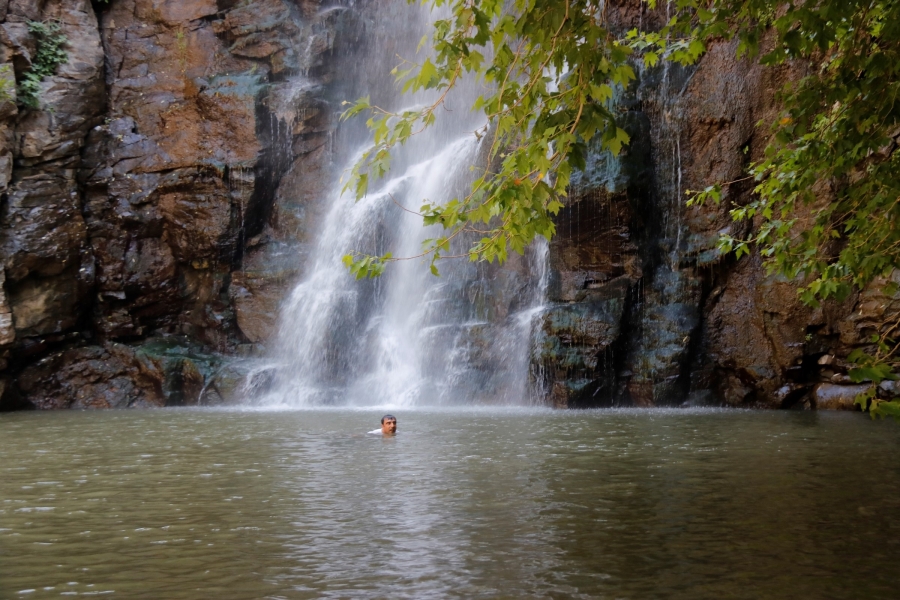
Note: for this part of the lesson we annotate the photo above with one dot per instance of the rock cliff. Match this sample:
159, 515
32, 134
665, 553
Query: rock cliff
157, 203
144, 227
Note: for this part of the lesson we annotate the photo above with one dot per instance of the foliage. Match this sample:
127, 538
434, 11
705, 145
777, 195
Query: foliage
877, 407
554, 68
47, 58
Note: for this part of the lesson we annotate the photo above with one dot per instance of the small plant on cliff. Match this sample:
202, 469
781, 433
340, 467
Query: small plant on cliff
7, 83
877, 367
46, 60
182, 46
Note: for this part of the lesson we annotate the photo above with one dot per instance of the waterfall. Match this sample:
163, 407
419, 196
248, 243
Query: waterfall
408, 337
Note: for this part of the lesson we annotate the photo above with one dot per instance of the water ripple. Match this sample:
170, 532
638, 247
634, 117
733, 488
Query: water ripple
461, 504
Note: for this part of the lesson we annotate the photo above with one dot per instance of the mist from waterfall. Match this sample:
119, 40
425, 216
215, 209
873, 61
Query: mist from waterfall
408, 337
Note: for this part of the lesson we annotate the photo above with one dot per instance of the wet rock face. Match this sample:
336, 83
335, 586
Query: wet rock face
594, 265
46, 259
757, 344
110, 376
144, 197
164, 205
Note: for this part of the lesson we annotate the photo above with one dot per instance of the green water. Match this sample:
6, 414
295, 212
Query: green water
461, 504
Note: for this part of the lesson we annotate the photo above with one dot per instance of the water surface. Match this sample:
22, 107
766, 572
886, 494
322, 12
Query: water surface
182, 504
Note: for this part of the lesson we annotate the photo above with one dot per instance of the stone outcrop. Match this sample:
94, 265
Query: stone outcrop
109, 376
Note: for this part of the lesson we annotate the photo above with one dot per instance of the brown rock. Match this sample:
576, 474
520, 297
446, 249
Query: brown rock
264, 15
757, 331
300, 197
256, 302
166, 216
42, 232
175, 12
109, 376
873, 313
206, 317
193, 383
24, 9
258, 30
257, 290
592, 247
197, 219
44, 305
147, 220
150, 267
167, 83
8, 112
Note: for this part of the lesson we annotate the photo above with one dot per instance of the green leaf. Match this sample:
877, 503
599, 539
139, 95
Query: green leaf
602, 92
362, 185
428, 74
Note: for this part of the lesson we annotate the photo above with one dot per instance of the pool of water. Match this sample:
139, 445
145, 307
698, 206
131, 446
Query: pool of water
188, 504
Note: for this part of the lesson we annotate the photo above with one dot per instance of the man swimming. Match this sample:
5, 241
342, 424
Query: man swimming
388, 425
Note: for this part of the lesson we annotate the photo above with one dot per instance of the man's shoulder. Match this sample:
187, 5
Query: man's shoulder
375, 431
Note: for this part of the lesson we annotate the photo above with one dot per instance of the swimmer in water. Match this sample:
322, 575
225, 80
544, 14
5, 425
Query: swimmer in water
388, 425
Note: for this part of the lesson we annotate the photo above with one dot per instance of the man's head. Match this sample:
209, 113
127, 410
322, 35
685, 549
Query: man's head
389, 424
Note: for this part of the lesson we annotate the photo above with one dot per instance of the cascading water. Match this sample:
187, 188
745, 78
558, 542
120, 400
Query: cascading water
407, 337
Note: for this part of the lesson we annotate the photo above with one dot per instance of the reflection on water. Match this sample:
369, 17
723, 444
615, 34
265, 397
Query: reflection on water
466, 504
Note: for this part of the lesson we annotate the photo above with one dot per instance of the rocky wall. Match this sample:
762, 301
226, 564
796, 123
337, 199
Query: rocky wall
154, 207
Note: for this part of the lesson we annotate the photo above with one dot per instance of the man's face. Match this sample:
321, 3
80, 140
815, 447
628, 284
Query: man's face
389, 426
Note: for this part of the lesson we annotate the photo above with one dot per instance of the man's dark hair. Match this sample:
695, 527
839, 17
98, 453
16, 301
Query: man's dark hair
386, 417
